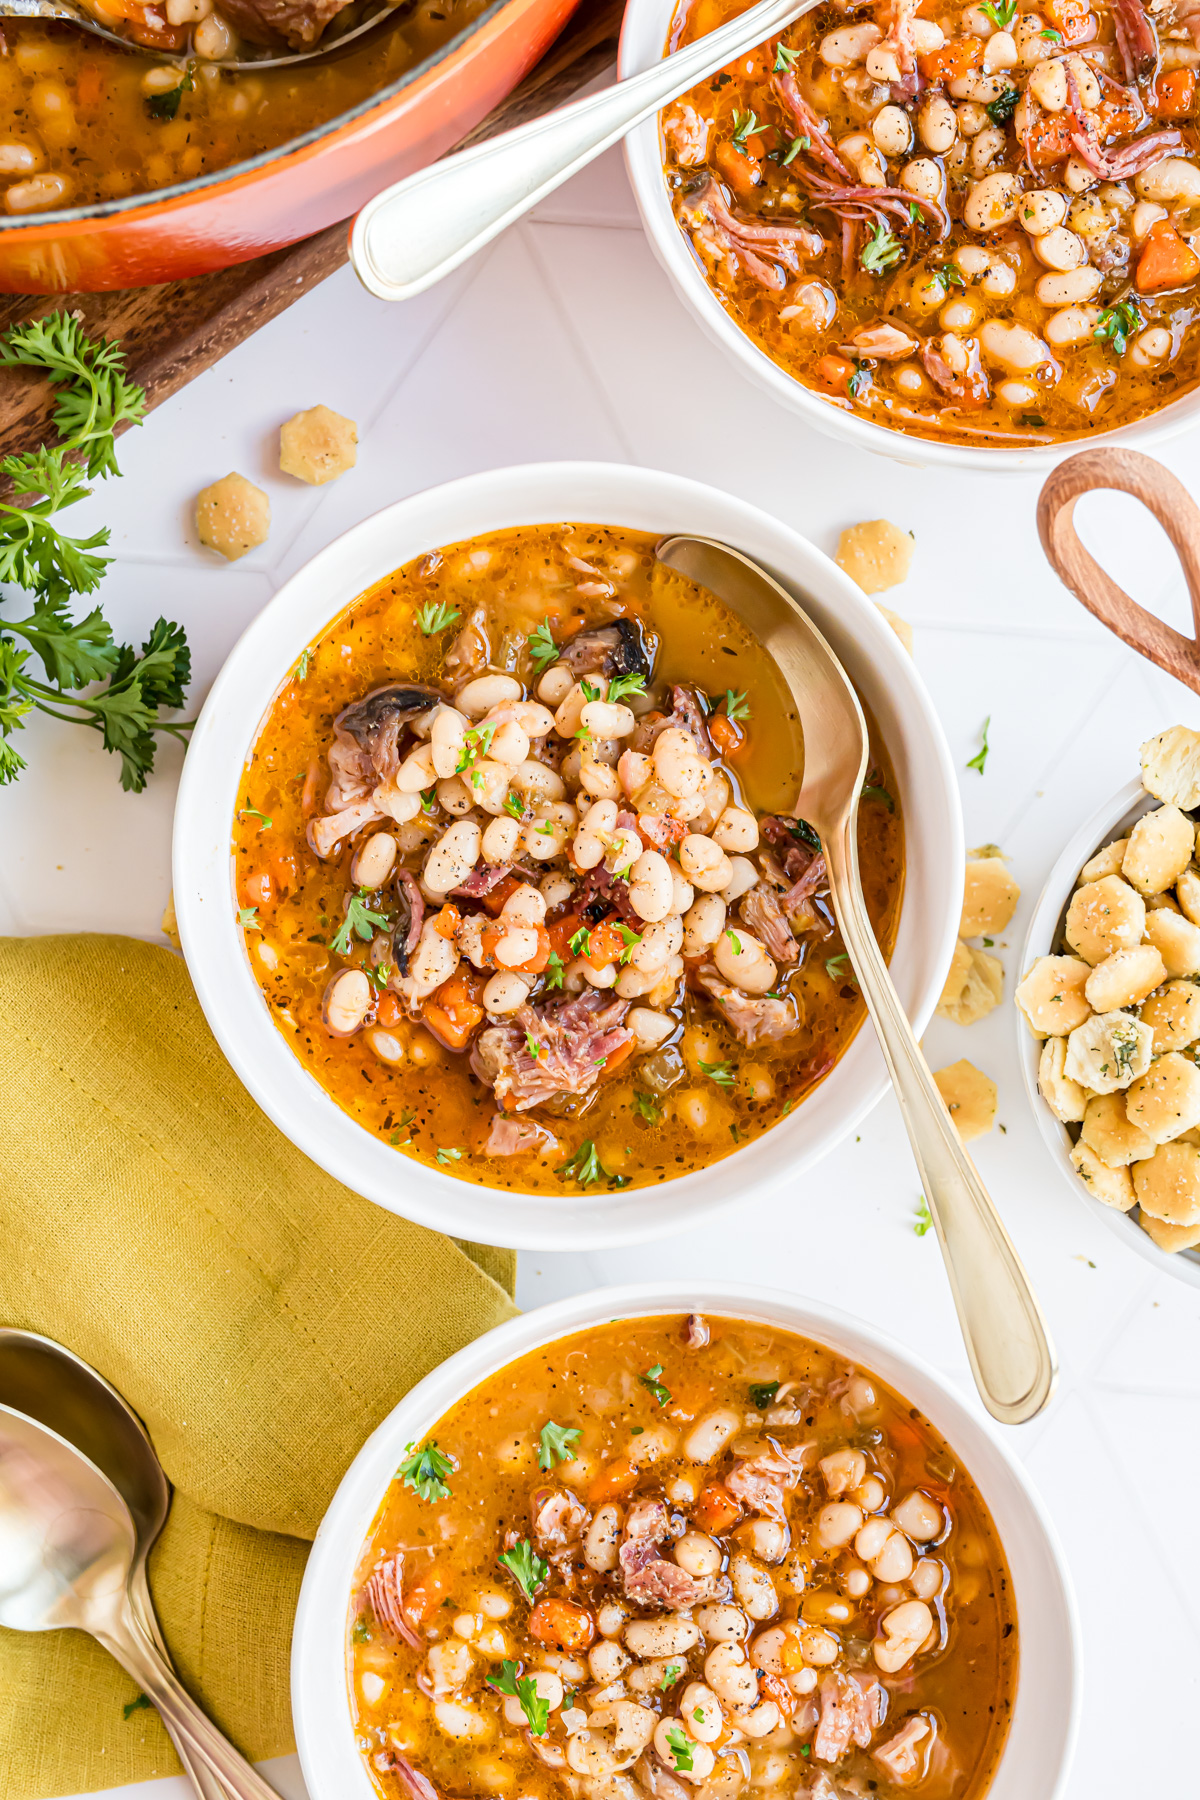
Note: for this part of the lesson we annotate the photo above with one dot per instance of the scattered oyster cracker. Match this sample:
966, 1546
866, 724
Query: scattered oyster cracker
976, 980
878, 555
970, 1098
1171, 767
318, 445
232, 516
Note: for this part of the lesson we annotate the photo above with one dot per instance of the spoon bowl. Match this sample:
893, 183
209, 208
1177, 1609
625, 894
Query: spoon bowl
1006, 1338
68, 13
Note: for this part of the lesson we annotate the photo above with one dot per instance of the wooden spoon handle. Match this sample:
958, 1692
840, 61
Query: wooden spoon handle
1177, 513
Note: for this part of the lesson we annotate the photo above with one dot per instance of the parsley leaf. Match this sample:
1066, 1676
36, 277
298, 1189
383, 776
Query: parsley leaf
523, 1688
784, 59
586, 1168
359, 922
165, 104
670, 1676
763, 1392
526, 1567
534, 1048
553, 971
735, 705
860, 379
681, 1748
1000, 12
247, 918
542, 648
745, 124
720, 1072
631, 940
581, 942
252, 812
923, 1216
1117, 324
477, 741
647, 1107
735, 940
445, 1156
435, 616
878, 793
425, 1471
650, 1380
95, 399
1001, 109
554, 1444
796, 145
139, 1705
836, 967
882, 251
620, 685
514, 806
1051, 36
979, 760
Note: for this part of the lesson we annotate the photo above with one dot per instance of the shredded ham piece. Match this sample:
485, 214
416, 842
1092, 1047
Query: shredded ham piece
1112, 165
649, 1578
385, 1592
1136, 39
727, 234
812, 126
851, 1708
971, 387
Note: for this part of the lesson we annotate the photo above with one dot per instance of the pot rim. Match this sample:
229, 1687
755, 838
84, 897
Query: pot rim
139, 205
1047, 1712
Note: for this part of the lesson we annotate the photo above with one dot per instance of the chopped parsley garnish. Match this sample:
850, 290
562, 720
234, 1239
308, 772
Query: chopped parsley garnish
836, 967
1001, 109
882, 251
1000, 12
803, 833
720, 1072
650, 1380
445, 1156
590, 690
878, 793
794, 148
1124, 1043
735, 940
535, 1049
745, 124
360, 921
631, 940
139, 1705
425, 1471
949, 272
362, 1632
554, 1444
302, 667
1051, 36
586, 1168
979, 760
476, 744
670, 1676
736, 706
514, 806
542, 648
647, 1107
248, 918
523, 1688
379, 977
923, 1216
526, 1567
553, 971
264, 824
581, 942
1117, 324
681, 1748
763, 1392
860, 379
1035, 421
784, 59
620, 685
436, 616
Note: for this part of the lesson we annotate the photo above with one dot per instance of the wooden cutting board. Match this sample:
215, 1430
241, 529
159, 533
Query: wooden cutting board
174, 332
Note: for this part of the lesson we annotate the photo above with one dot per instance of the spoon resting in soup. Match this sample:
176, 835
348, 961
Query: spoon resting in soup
669, 1558
518, 876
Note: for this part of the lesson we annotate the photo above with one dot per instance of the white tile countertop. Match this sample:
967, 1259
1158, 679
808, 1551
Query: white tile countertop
563, 340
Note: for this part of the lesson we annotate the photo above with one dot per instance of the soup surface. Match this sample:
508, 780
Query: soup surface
559, 941
978, 223
82, 121
682, 1558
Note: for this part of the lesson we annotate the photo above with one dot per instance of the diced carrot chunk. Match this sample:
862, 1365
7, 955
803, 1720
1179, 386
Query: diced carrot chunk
389, 1012
453, 1011
742, 172
956, 58
614, 1479
1073, 19
616, 1057
447, 922
1049, 140
562, 1622
1166, 261
1174, 94
423, 1600
89, 85
716, 1509
606, 943
726, 734
834, 372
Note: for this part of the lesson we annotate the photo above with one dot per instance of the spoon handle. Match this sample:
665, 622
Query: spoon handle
198, 1773
414, 233
1007, 1342
124, 1638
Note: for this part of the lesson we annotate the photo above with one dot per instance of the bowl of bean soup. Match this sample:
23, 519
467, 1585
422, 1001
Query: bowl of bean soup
712, 1543
490, 875
958, 234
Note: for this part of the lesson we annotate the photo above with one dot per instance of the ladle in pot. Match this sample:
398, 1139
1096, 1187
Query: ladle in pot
66, 12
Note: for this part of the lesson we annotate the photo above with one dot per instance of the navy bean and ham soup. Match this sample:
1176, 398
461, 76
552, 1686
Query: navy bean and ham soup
517, 874
691, 1559
977, 222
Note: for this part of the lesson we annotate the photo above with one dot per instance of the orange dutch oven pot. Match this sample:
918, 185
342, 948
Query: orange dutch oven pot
285, 194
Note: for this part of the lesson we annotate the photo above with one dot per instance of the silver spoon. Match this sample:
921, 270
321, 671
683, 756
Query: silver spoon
68, 13
47, 1382
1007, 1342
414, 233
67, 1551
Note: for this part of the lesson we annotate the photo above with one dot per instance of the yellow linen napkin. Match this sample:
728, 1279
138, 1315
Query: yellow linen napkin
260, 1318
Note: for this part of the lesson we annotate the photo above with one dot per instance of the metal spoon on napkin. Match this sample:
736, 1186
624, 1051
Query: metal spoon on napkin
1006, 1338
67, 1552
49, 1383
414, 233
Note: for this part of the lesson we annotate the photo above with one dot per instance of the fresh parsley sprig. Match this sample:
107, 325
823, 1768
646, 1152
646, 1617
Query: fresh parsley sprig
651, 1380
526, 1567
554, 1444
359, 921
425, 1470
523, 1688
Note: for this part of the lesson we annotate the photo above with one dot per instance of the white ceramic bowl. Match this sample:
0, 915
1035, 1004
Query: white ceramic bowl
600, 493
643, 35
1109, 821
1045, 1720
